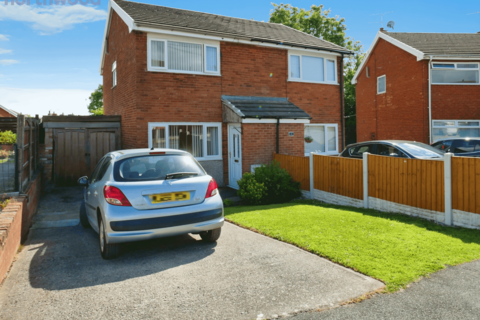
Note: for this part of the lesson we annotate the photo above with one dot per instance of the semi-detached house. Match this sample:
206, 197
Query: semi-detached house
229, 91
419, 86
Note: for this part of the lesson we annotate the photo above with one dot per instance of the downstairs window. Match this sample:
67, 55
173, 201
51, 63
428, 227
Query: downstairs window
444, 129
202, 140
321, 138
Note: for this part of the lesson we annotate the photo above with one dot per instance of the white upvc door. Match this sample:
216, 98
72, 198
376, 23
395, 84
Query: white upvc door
234, 154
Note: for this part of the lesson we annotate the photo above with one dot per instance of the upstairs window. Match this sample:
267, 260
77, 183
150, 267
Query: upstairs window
455, 73
381, 84
312, 69
114, 74
183, 57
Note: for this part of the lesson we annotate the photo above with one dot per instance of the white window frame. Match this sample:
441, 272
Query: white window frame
456, 126
456, 68
325, 125
114, 74
325, 58
204, 125
149, 55
205, 57
378, 78
167, 38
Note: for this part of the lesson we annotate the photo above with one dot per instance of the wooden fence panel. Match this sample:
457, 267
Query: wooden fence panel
298, 167
466, 184
412, 182
342, 176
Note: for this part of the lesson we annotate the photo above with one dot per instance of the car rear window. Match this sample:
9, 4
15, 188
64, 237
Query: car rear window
156, 167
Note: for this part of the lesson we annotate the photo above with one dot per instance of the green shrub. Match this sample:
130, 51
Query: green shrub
8, 137
228, 203
250, 191
276, 184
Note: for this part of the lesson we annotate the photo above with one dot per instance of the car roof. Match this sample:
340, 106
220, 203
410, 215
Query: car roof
128, 153
466, 139
382, 141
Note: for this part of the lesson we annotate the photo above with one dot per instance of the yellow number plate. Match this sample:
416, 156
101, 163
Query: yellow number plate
169, 197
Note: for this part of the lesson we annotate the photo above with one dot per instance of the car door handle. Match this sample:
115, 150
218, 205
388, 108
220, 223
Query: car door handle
88, 192
95, 193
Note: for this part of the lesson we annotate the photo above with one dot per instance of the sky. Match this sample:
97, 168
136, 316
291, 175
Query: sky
50, 54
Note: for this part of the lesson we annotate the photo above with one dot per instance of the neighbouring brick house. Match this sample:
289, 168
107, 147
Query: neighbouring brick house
397, 100
7, 113
230, 91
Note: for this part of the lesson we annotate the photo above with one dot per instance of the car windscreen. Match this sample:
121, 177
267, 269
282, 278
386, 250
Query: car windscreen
421, 150
157, 167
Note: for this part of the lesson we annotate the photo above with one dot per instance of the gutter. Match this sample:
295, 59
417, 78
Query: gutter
342, 106
278, 139
430, 100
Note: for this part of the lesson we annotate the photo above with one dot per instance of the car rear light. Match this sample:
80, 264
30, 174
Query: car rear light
212, 189
115, 196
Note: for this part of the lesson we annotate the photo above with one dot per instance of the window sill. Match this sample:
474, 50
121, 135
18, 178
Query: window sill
209, 158
185, 72
379, 93
114, 87
456, 84
317, 82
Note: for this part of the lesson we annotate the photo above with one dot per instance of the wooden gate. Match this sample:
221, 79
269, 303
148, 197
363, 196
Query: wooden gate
79, 143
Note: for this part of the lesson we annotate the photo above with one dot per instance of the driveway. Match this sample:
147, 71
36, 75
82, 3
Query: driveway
60, 274
452, 293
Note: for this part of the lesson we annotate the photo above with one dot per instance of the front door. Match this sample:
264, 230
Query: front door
234, 154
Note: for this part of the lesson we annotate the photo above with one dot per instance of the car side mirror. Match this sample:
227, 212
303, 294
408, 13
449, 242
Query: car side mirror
394, 155
83, 181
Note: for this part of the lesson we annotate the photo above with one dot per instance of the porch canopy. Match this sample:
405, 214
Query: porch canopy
246, 109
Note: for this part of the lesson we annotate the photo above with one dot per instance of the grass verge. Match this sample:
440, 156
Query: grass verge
394, 248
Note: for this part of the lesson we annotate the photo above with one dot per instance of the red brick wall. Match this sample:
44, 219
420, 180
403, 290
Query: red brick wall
122, 99
10, 235
401, 112
457, 102
259, 142
246, 70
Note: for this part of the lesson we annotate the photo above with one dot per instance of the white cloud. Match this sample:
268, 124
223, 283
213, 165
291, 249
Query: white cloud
3, 37
41, 101
2, 51
7, 62
49, 20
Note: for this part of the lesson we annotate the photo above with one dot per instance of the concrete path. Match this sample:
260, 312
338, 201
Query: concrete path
60, 275
453, 293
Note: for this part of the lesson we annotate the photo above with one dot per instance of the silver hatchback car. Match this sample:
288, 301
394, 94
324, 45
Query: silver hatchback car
144, 193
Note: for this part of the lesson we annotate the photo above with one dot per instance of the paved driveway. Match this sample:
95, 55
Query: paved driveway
60, 275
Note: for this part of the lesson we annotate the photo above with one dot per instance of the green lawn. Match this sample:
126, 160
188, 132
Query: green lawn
394, 248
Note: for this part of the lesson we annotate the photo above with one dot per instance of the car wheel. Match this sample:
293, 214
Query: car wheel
211, 235
83, 216
107, 250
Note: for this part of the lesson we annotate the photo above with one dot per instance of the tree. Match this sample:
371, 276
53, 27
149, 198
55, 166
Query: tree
96, 102
318, 23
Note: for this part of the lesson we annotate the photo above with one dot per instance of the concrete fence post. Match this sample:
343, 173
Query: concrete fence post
365, 179
311, 176
447, 167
